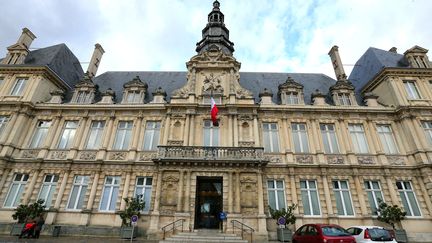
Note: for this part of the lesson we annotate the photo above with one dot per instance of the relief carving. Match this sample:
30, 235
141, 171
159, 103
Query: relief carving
213, 83
365, 160
118, 156
249, 195
304, 159
147, 156
30, 153
396, 160
59, 155
87, 155
335, 159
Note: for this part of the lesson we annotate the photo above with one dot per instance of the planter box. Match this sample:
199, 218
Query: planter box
401, 236
16, 229
126, 232
284, 235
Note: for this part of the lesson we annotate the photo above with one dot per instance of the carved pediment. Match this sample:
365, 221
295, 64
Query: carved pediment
136, 82
290, 84
342, 84
85, 82
213, 54
170, 178
416, 49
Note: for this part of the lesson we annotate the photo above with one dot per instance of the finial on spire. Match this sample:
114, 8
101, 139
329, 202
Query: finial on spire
216, 5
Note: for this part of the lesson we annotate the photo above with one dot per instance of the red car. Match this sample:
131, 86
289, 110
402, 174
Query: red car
322, 233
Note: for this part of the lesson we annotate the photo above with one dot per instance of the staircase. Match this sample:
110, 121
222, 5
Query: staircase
207, 236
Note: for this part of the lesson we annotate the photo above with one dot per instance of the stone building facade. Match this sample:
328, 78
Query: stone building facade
83, 142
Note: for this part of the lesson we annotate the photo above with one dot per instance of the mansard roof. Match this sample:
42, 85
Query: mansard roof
253, 81
60, 59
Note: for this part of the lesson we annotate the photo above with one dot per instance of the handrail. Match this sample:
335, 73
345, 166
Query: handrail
244, 228
173, 224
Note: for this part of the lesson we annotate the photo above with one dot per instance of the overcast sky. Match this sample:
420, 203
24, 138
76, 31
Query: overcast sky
269, 35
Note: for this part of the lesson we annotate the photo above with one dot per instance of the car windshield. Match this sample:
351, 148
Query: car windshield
334, 231
379, 234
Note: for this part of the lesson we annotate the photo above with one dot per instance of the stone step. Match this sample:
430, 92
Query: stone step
203, 237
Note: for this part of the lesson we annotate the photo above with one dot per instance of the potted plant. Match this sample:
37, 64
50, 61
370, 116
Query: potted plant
134, 206
24, 213
393, 215
284, 217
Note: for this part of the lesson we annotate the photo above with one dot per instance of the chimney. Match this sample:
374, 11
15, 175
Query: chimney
337, 63
95, 60
393, 49
18, 51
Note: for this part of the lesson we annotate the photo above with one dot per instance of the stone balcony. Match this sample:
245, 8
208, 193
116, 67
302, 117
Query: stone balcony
217, 156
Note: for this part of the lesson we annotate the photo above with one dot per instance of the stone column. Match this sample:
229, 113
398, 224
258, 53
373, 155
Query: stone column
136, 133
262, 226
230, 192
109, 132
180, 193
420, 135
158, 192
359, 189
315, 142
186, 205
230, 131
30, 187
256, 132
390, 185
61, 190
93, 191
186, 131
327, 196
166, 130
237, 192
5, 174
82, 125
419, 181
369, 137
125, 191
192, 131
10, 125
293, 190
236, 131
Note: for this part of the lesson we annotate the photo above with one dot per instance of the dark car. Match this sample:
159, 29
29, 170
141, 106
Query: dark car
322, 233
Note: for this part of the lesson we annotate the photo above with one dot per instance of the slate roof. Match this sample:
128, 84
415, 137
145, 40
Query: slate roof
370, 64
60, 59
252, 81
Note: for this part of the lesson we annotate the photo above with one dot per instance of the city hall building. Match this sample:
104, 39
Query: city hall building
84, 142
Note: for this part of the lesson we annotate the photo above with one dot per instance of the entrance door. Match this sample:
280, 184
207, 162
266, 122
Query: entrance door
208, 202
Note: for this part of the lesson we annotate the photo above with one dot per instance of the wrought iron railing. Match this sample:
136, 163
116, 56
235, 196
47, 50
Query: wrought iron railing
244, 229
211, 153
173, 226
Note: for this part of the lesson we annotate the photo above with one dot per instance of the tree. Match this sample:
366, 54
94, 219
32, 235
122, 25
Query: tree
390, 214
134, 206
30, 211
288, 214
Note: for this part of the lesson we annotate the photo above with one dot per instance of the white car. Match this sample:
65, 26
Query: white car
367, 234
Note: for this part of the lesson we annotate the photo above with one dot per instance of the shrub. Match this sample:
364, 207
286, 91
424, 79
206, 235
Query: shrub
134, 206
30, 211
390, 214
288, 214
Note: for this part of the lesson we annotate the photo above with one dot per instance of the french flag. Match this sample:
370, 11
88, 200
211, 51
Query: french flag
214, 111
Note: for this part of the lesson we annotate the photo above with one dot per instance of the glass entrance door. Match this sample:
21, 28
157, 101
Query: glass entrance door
208, 202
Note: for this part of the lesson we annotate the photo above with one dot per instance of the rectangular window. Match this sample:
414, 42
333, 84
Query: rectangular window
151, 135
292, 98
110, 193
276, 194
408, 197
68, 134
143, 190
19, 86
344, 99
343, 198
300, 137
3, 122
387, 139
134, 97
427, 126
16, 190
271, 137
374, 193
123, 135
358, 138
78, 191
412, 91
310, 199
48, 188
328, 134
40, 134
94, 138
211, 134
82, 97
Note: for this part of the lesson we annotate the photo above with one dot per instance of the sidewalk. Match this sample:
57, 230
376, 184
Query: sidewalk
70, 239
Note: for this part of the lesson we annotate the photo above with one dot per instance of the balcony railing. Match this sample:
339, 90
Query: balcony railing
204, 154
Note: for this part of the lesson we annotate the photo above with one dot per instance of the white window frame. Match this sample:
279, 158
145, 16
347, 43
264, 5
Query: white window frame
19, 86
142, 189
151, 135
309, 190
427, 126
40, 134
95, 135
277, 191
344, 99
3, 123
412, 90
213, 134
340, 191
292, 98
81, 182
299, 136
68, 134
115, 183
49, 182
388, 141
358, 135
375, 193
271, 134
20, 182
123, 135
328, 132
404, 188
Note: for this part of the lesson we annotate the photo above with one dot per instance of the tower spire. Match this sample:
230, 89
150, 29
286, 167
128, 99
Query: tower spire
215, 34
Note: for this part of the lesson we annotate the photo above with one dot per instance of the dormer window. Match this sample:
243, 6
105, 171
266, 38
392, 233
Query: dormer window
291, 92
84, 91
83, 97
417, 57
411, 89
134, 91
344, 99
19, 86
